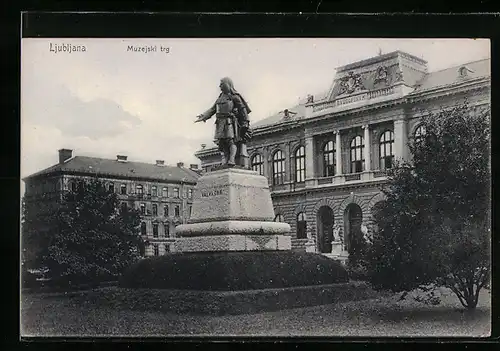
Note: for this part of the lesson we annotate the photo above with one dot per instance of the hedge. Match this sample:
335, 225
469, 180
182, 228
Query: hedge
225, 271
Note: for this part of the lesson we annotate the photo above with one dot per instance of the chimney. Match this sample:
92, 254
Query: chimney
193, 166
160, 162
180, 164
121, 158
65, 154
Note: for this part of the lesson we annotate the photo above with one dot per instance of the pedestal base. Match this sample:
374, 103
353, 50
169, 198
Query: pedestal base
337, 248
231, 242
310, 246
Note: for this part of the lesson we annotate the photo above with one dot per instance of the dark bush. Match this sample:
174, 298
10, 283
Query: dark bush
233, 271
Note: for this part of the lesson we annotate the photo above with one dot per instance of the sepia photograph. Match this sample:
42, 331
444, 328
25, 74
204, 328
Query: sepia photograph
255, 187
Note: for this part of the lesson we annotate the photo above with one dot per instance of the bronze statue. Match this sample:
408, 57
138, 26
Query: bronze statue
232, 126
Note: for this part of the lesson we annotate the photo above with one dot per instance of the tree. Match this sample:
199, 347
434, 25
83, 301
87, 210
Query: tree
434, 227
85, 238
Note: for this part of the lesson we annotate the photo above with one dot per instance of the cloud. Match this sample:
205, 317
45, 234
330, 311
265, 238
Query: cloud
59, 108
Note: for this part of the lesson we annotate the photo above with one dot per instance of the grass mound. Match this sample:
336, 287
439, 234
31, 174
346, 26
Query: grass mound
224, 271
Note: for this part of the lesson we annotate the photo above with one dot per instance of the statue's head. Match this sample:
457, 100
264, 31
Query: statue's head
226, 85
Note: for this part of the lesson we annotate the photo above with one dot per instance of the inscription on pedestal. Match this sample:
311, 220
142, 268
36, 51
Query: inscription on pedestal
210, 193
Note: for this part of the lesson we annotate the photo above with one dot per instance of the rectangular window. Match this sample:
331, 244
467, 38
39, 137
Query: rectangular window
176, 193
167, 248
155, 230
154, 191
177, 211
165, 191
123, 189
190, 193
165, 211
166, 230
155, 210
190, 210
156, 250
139, 189
124, 207
111, 187
143, 208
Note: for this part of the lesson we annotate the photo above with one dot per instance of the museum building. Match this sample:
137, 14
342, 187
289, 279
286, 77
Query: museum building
162, 193
326, 158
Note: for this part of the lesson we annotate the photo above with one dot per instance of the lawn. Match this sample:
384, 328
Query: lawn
44, 315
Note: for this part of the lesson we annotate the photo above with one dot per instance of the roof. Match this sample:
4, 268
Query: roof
129, 169
299, 110
449, 76
380, 58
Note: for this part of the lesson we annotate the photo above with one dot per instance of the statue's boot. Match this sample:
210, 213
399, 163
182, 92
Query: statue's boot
244, 157
232, 155
224, 158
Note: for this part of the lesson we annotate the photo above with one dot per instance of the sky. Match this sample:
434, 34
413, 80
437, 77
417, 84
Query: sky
108, 101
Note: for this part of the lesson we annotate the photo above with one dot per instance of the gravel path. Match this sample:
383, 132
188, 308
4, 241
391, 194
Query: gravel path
378, 317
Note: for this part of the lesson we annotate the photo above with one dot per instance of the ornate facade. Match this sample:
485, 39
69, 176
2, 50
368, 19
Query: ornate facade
162, 193
326, 158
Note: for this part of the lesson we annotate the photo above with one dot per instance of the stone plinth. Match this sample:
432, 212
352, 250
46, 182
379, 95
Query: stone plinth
232, 242
337, 248
232, 211
310, 246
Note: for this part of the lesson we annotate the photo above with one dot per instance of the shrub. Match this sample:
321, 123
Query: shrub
233, 271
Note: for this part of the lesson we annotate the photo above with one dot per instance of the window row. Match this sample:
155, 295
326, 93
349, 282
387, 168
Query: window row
155, 191
278, 171
156, 226
143, 208
156, 249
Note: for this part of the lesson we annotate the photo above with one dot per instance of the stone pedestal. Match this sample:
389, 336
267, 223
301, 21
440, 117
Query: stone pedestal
337, 248
310, 246
232, 211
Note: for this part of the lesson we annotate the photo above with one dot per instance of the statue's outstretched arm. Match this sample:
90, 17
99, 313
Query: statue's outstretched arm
207, 114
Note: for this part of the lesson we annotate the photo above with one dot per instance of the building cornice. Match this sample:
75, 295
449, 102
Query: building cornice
334, 187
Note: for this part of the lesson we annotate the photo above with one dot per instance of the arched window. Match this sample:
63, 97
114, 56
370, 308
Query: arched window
154, 191
123, 189
143, 228
139, 189
111, 187
301, 226
329, 159
386, 149
300, 164
419, 133
257, 164
279, 218
357, 159
278, 168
